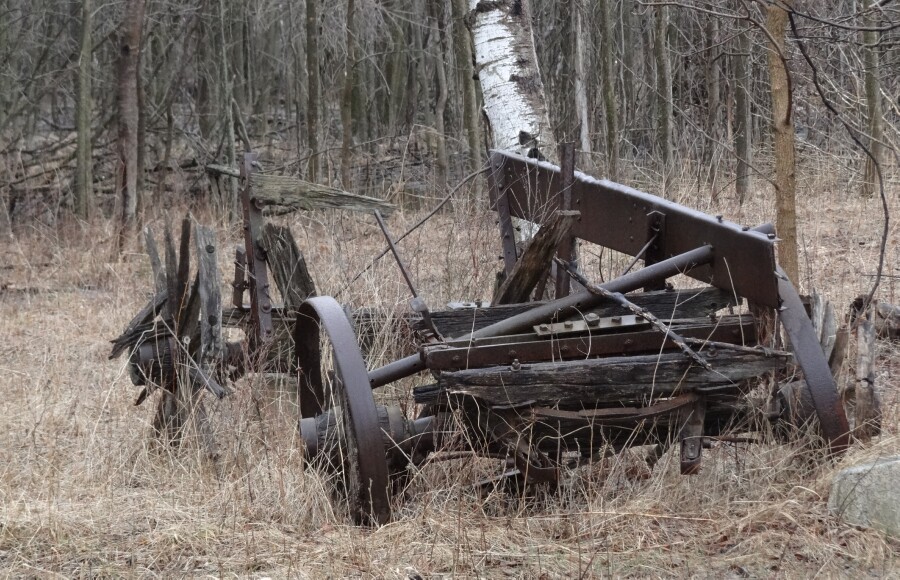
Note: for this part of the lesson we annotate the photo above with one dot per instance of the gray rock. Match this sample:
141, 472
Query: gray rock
869, 495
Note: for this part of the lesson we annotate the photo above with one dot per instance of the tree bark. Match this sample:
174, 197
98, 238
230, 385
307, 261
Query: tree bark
711, 71
742, 128
464, 63
608, 72
84, 165
442, 92
664, 97
506, 65
783, 126
312, 90
347, 95
227, 92
873, 101
128, 110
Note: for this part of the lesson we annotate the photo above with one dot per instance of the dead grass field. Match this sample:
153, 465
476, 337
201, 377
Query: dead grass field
84, 493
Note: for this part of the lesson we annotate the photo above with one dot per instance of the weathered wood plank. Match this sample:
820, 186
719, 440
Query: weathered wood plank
536, 260
293, 193
667, 305
288, 266
868, 408
615, 380
159, 275
211, 344
137, 326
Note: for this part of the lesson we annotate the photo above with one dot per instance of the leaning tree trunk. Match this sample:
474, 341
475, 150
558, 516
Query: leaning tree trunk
506, 65
129, 60
783, 126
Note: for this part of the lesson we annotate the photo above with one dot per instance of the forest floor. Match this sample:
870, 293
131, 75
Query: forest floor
85, 493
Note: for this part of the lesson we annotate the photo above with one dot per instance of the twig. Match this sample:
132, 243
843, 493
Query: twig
437, 208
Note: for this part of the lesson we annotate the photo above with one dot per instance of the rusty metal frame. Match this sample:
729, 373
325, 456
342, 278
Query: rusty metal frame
256, 268
617, 217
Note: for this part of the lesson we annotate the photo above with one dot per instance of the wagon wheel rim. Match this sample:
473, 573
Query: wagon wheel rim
810, 357
361, 462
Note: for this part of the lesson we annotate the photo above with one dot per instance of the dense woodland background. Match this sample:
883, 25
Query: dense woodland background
114, 107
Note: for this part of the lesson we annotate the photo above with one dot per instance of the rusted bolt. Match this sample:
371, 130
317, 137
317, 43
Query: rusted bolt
513, 353
771, 236
456, 358
719, 218
210, 248
629, 342
544, 327
568, 324
745, 228
564, 349
212, 319
592, 319
516, 365
265, 307
616, 320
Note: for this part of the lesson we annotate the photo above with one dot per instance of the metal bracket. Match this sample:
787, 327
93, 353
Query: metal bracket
591, 323
691, 437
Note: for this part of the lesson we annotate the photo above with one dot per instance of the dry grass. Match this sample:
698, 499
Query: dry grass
84, 492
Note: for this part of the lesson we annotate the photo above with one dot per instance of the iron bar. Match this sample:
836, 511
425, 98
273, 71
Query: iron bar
582, 300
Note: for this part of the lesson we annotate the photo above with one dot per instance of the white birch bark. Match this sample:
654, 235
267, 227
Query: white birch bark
506, 64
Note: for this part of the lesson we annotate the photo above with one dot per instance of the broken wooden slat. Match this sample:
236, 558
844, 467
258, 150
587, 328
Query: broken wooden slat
159, 275
288, 266
129, 336
173, 299
535, 261
210, 298
184, 266
608, 381
868, 408
293, 193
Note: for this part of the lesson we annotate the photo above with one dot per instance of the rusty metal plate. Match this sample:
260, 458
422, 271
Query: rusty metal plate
617, 217
591, 323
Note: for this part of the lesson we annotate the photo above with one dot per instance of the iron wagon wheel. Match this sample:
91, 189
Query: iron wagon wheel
352, 450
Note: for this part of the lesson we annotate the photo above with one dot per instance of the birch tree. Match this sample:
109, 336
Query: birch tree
506, 65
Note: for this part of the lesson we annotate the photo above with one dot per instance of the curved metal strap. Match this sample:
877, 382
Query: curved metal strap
811, 358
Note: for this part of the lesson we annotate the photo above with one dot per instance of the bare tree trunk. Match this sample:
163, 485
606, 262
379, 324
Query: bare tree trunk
742, 128
582, 111
312, 90
664, 97
227, 93
464, 62
441, 100
510, 80
84, 165
630, 46
783, 125
347, 95
128, 112
873, 101
711, 71
608, 72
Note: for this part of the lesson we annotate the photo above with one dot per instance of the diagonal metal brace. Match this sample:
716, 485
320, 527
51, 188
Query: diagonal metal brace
620, 299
